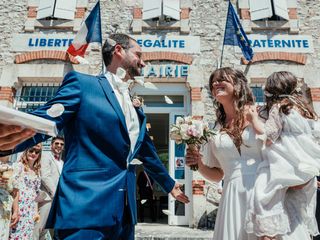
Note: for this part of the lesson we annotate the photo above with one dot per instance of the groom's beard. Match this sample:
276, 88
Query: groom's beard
133, 71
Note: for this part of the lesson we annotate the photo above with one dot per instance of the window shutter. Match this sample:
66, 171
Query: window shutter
45, 9
260, 9
65, 9
151, 9
281, 8
171, 8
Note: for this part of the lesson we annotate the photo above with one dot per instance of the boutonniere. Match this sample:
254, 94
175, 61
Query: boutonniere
137, 101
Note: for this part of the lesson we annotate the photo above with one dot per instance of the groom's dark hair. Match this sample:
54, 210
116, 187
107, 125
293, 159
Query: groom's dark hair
109, 45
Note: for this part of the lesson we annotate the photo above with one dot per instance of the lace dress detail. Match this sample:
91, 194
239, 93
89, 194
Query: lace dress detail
273, 125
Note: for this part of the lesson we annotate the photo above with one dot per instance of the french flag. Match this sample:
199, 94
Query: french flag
90, 31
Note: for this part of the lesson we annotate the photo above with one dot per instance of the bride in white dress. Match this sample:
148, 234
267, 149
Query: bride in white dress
234, 154
279, 209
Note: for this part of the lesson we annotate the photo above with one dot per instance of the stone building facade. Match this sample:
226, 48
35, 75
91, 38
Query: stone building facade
181, 48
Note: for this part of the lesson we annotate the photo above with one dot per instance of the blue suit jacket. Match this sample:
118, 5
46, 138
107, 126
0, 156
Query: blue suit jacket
96, 177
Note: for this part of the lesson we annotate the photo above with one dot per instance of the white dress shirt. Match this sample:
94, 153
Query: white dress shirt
120, 88
59, 164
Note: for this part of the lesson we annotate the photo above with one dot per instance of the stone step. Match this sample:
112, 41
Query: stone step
157, 231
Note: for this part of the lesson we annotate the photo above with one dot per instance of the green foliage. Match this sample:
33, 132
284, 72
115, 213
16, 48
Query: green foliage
164, 157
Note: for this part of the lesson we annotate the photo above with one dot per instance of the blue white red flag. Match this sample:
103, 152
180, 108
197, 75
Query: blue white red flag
89, 32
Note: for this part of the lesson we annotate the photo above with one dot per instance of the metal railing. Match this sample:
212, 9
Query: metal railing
34, 95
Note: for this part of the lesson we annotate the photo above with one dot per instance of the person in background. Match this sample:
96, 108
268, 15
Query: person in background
9, 197
27, 176
145, 185
51, 168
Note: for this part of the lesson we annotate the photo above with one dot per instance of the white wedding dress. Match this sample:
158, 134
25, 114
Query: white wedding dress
239, 177
292, 159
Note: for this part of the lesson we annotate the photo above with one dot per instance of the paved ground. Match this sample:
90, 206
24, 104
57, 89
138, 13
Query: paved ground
157, 231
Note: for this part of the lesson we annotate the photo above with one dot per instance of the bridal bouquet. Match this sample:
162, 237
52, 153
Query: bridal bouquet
190, 131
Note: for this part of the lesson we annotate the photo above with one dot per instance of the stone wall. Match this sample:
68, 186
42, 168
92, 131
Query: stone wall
12, 15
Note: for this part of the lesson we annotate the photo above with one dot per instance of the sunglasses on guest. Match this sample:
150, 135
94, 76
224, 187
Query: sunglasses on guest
34, 150
58, 143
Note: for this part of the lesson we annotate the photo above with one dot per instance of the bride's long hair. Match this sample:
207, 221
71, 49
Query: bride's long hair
242, 96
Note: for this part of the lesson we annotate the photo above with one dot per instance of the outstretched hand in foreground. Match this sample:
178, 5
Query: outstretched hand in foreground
178, 194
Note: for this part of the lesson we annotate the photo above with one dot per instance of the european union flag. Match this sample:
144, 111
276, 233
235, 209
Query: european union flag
234, 34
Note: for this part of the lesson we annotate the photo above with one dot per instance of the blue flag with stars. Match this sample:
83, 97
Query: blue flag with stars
234, 34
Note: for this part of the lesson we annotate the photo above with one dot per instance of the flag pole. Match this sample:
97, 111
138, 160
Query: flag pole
221, 58
101, 44
224, 37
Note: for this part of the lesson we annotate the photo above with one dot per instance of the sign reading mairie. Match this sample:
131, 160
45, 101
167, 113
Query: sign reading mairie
165, 71
35, 42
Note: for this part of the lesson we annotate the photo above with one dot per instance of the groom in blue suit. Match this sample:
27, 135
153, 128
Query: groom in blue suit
104, 134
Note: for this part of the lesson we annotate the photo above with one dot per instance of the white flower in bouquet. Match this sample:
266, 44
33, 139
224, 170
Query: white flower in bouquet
175, 134
190, 131
188, 120
179, 120
184, 131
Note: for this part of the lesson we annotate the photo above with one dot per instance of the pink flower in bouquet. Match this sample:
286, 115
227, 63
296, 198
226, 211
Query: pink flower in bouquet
192, 131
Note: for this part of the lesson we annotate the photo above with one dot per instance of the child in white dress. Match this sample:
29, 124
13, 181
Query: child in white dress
284, 199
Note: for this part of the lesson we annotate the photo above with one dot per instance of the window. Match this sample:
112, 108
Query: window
56, 9
171, 8
160, 9
161, 101
151, 9
30, 97
33, 96
258, 93
270, 9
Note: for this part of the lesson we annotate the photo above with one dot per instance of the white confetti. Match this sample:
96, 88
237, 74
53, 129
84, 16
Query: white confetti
139, 80
56, 110
111, 42
121, 73
150, 85
135, 161
168, 100
166, 212
251, 162
81, 60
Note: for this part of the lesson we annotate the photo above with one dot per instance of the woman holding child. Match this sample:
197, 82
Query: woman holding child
236, 155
